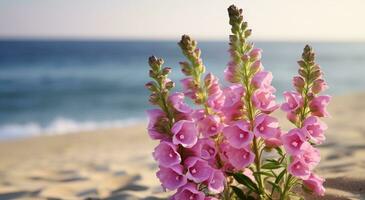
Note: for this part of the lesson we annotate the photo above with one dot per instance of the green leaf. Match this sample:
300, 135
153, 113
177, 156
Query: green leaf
243, 179
280, 176
280, 151
272, 161
239, 193
264, 173
271, 165
275, 186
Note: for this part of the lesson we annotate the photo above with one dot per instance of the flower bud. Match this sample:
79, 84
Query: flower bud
256, 66
151, 73
244, 25
248, 32
166, 70
197, 52
302, 72
155, 63
185, 68
292, 117
245, 58
316, 74
302, 64
255, 54
169, 85
151, 86
154, 98
319, 85
298, 83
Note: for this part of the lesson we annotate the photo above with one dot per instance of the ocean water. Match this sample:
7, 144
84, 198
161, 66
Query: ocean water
66, 86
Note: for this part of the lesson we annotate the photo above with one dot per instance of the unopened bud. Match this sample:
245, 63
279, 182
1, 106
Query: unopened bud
244, 25
155, 62
245, 58
197, 52
298, 83
151, 86
152, 74
169, 85
208, 80
302, 64
302, 72
255, 54
316, 74
166, 70
248, 33
186, 68
319, 85
256, 66
293, 117
154, 98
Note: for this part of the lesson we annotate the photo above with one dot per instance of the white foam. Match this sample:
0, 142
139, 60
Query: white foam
60, 125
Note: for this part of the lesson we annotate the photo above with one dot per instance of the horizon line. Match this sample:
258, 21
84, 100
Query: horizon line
131, 39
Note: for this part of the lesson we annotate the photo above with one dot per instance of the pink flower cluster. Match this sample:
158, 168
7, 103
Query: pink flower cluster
305, 108
203, 144
188, 158
220, 143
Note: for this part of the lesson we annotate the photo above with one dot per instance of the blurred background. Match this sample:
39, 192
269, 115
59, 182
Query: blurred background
81, 65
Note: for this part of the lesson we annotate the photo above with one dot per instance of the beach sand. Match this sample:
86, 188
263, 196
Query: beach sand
117, 163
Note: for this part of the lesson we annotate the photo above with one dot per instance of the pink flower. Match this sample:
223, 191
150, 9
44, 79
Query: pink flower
265, 126
293, 101
177, 101
292, 116
233, 95
230, 73
189, 87
185, 133
188, 192
274, 141
238, 134
172, 177
315, 129
262, 79
255, 54
299, 168
212, 84
216, 101
298, 83
166, 154
257, 66
264, 100
318, 106
319, 85
210, 125
187, 83
233, 103
315, 184
309, 155
293, 140
240, 158
205, 149
198, 169
155, 132
216, 181
210, 198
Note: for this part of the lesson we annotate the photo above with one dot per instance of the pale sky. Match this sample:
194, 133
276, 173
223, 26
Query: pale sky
333, 20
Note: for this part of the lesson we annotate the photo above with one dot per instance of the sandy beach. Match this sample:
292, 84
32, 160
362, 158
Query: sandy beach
117, 163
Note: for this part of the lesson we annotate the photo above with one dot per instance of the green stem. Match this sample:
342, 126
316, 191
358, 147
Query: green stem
286, 188
251, 117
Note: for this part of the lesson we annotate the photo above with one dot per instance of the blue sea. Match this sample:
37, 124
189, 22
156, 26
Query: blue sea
67, 86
